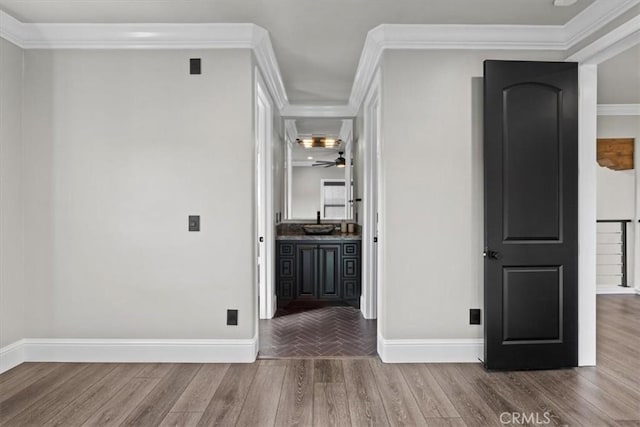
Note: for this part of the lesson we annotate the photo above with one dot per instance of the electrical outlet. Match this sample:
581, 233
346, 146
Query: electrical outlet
194, 222
232, 317
474, 316
195, 66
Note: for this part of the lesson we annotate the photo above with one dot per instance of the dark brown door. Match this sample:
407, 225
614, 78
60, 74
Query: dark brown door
531, 214
329, 271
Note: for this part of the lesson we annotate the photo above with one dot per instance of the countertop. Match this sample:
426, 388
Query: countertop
300, 235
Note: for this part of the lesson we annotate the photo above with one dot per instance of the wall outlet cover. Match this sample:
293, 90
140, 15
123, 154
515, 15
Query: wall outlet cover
194, 222
474, 316
232, 317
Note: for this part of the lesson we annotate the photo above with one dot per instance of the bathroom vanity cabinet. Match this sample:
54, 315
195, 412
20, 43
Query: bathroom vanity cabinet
318, 271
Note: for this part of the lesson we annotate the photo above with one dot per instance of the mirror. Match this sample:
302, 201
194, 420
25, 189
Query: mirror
314, 180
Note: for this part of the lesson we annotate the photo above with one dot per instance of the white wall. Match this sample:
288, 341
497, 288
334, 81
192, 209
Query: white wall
433, 186
305, 192
618, 191
12, 292
122, 146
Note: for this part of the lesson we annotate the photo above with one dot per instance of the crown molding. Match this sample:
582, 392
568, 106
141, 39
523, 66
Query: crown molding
616, 41
618, 109
386, 36
317, 111
291, 131
594, 17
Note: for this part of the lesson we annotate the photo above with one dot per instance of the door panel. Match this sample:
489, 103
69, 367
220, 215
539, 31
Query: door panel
307, 265
531, 216
329, 271
530, 149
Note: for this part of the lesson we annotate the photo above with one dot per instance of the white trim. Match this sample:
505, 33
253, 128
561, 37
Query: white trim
250, 36
594, 17
264, 216
130, 351
619, 109
430, 350
615, 290
11, 355
369, 301
317, 111
614, 42
587, 177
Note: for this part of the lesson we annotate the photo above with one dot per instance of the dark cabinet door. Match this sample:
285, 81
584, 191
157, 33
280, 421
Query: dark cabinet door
329, 271
531, 214
306, 256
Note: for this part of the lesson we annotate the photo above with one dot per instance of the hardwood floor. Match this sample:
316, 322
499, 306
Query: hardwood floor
341, 392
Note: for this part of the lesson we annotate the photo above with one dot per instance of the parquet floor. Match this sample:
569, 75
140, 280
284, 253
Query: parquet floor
322, 332
348, 391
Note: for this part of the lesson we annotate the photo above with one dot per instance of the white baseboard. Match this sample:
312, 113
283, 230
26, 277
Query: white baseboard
11, 355
615, 290
129, 350
430, 350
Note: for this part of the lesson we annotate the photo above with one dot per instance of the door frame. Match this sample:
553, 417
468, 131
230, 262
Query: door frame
609, 45
370, 303
263, 132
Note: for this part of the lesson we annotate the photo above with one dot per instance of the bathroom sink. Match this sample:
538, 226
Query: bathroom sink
318, 228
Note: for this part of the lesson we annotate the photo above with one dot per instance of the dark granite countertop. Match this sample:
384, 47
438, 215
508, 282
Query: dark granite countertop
294, 231
289, 235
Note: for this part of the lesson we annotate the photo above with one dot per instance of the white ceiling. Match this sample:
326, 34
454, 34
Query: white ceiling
317, 42
619, 78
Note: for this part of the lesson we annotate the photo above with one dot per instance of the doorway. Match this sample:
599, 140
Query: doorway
318, 270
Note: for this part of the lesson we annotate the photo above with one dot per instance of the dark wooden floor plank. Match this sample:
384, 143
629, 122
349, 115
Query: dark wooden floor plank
15, 404
432, 400
152, 410
550, 383
296, 400
155, 370
261, 404
365, 403
228, 399
330, 405
181, 419
49, 405
469, 404
399, 404
446, 422
328, 371
200, 391
23, 376
523, 396
116, 409
613, 405
86, 405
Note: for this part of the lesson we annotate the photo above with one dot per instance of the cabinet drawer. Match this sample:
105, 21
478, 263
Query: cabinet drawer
285, 290
286, 268
351, 249
350, 267
350, 290
285, 249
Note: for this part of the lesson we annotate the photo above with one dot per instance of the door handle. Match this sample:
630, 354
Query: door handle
492, 254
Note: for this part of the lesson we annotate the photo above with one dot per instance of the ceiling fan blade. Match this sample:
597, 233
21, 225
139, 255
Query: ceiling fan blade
330, 165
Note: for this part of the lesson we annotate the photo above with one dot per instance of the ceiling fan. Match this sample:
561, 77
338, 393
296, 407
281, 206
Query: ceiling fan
339, 162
